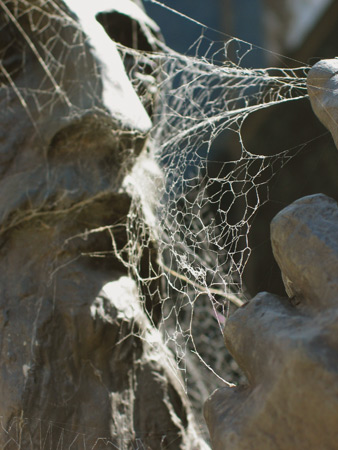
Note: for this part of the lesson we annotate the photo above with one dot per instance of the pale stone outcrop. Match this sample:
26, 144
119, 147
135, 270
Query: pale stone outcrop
287, 347
304, 239
322, 85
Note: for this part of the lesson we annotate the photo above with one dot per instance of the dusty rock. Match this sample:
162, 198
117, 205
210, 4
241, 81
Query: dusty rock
98, 374
82, 364
50, 119
287, 347
322, 85
304, 239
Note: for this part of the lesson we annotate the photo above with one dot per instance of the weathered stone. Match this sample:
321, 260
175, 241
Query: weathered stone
82, 364
322, 85
59, 144
97, 371
287, 349
304, 239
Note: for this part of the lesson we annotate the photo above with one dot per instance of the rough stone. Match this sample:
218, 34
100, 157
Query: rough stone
322, 85
287, 347
304, 239
97, 375
82, 363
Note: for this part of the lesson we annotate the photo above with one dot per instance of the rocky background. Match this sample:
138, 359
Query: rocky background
82, 363
288, 346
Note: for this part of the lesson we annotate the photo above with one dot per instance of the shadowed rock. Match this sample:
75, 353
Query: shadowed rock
287, 347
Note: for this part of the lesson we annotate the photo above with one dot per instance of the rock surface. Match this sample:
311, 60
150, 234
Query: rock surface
287, 347
322, 85
82, 363
97, 374
304, 239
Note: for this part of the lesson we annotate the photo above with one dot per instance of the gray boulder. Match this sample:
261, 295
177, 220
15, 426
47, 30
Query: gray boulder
322, 85
287, 347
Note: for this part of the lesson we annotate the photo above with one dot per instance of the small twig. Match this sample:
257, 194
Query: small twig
229, 296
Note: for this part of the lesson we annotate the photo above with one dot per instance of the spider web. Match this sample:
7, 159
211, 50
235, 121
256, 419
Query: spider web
192, 206
204, 207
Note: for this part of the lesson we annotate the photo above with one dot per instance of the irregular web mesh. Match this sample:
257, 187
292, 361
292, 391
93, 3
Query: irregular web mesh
193, 209
204, 206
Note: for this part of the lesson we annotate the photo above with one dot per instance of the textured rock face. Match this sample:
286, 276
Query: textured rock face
322, 84
82, 365
98, 376
305, 244
287, 347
